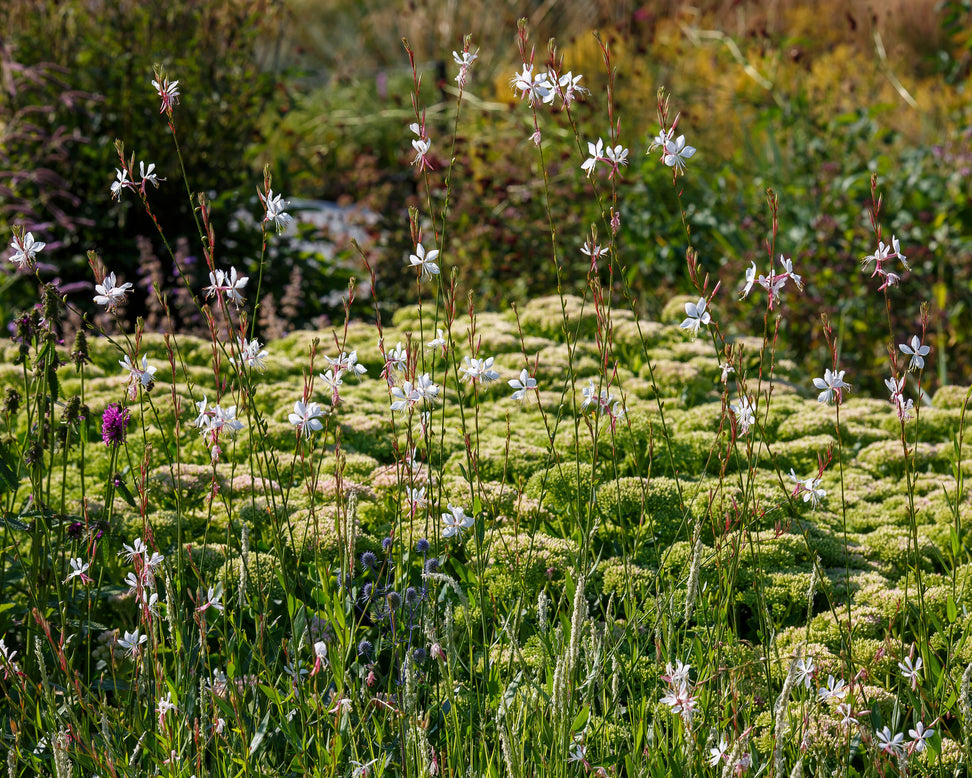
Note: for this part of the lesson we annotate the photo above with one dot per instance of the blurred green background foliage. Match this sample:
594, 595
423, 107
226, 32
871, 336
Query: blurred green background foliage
809, 102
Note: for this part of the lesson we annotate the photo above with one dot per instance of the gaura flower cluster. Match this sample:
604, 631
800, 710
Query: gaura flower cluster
212, 421
674, 151
880, 257
543, 88
143, 376
333, 377
680, 697
147, 175
772, 283
809, 487
602, 402
615, 156
230, 284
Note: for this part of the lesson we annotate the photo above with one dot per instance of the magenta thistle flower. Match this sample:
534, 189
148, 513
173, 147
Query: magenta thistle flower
114, 424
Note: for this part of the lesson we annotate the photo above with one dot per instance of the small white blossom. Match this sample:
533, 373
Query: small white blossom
917, 351
697, 315
230, 284
110, 295
745, 414
832, 385
676, 152
307, 417
251, 354
456, 521
425, 261
522, 384
25, 250
120, 183
275, 205
132, 642
479, 370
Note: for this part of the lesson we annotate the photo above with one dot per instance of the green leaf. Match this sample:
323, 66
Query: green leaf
260, 734
950, 609
580, 720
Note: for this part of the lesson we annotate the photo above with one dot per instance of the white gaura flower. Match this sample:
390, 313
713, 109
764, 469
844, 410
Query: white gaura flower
25, 249
425, 261
676, 152
596, 152
522, 384
132, 642
110, 295
251, 354
697, 315
275, 205
917, 351
120, 183
479, 370
750, 280
745, 414
307, 417
456, 521
143, 376
230, 284
832, 385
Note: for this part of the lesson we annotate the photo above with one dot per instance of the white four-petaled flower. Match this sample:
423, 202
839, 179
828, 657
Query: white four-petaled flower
456, 521
109, 295
917, 351
522, 384
25, 249
230, 284
479, 370
832, 385
697, 315
676, 152
425, 261
275, 205
307, 417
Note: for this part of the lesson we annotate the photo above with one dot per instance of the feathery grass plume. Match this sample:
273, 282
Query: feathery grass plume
62, 762
170, 614
578, 621
12, 761
780, 724
505, 744
797, 771
729, 768
42, 666
350, 518
203, 704
449, 581
137, 750
543, 610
